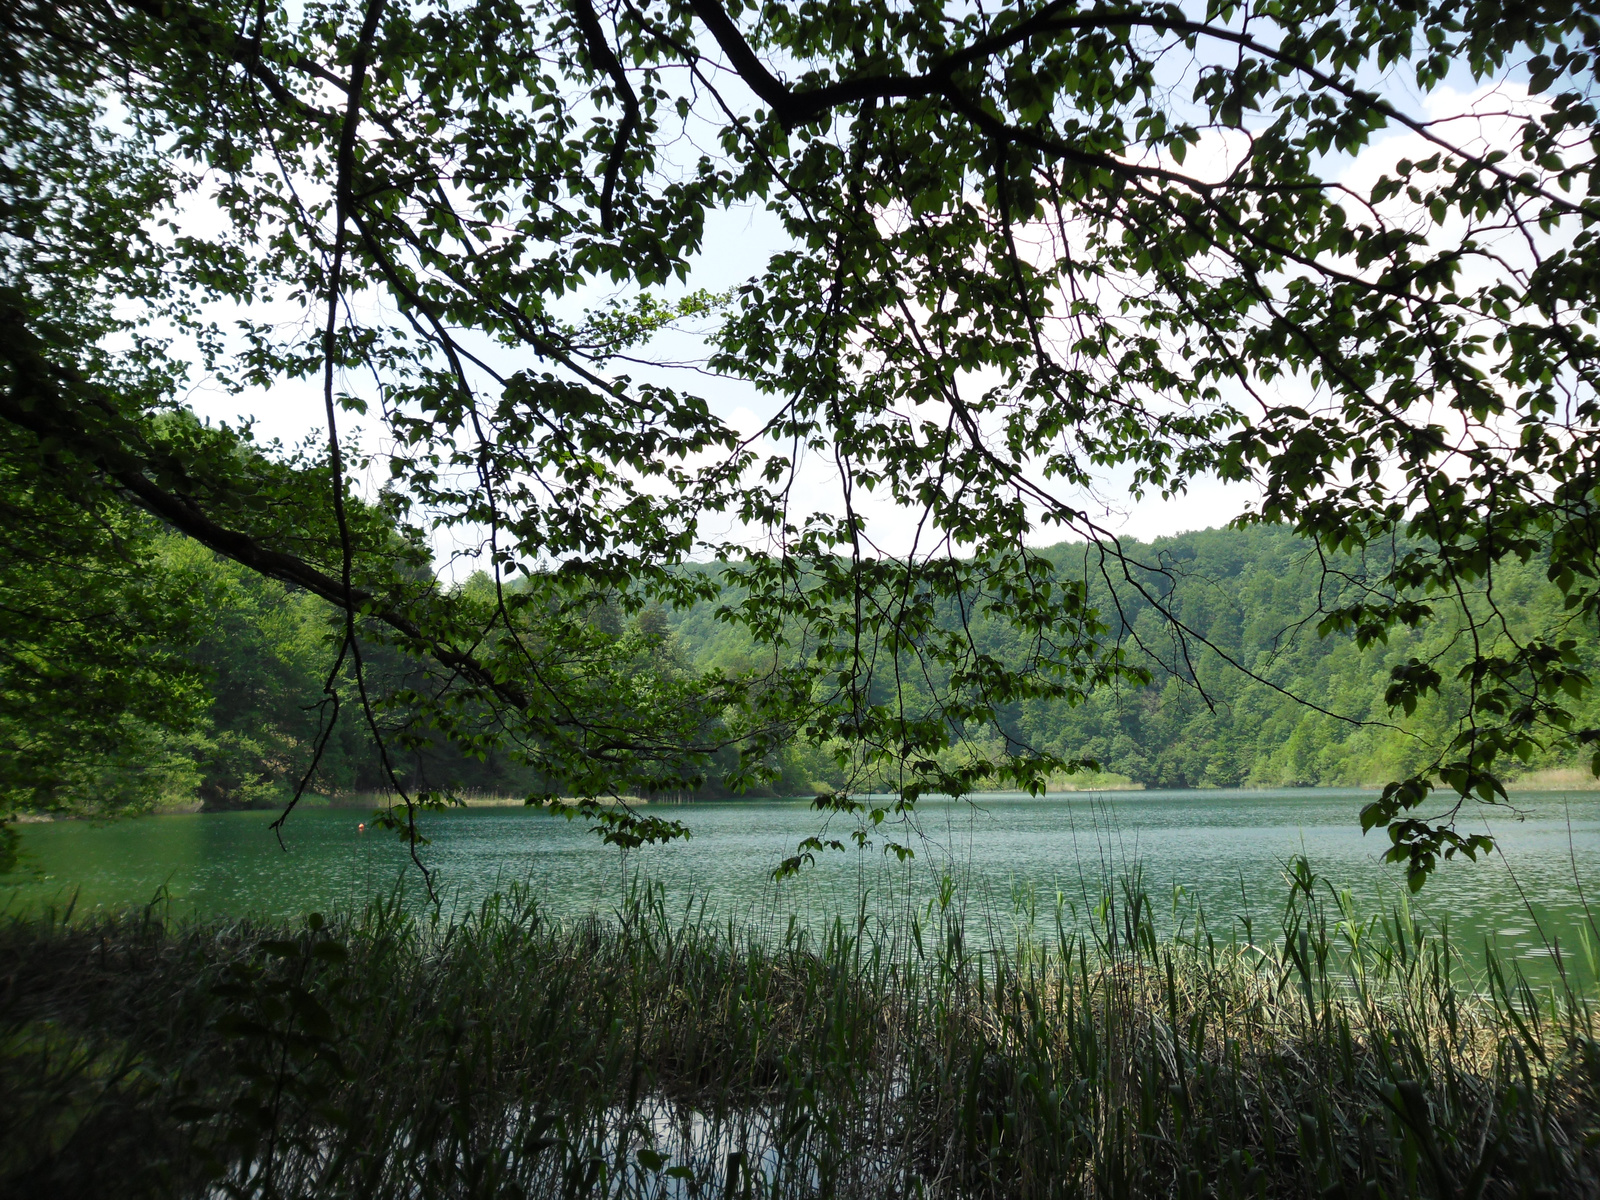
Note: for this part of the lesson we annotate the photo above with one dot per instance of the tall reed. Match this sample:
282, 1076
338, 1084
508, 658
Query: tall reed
660, 1053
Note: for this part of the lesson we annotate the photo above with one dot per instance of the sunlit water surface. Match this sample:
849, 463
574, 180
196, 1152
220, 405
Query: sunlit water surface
1220, 852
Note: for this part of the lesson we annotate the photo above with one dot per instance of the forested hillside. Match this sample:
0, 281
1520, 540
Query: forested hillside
1275, 703
1252, 697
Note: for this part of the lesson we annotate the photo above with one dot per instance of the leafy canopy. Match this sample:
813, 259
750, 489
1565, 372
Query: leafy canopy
1026, 246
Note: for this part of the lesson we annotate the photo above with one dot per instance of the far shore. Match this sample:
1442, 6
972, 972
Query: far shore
1563, 779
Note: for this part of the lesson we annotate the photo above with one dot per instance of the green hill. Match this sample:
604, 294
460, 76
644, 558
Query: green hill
1243, 691
1249, 694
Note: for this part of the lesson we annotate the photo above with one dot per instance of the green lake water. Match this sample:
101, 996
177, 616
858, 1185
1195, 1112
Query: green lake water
1009, 855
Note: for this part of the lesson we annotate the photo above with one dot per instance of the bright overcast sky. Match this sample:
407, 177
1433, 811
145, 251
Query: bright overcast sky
737, 245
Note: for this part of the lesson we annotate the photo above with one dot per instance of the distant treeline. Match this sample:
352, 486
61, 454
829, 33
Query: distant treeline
1251, 695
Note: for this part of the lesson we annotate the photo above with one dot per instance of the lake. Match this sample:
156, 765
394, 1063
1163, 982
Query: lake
1221, 851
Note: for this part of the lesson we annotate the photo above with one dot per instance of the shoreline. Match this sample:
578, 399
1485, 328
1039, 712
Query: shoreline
740, 1060
1540, 783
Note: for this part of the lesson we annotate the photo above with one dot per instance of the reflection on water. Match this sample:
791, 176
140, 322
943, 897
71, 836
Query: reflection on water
1217, 851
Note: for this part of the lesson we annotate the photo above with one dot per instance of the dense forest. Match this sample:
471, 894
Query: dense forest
1245, 692
1253, 696
995, 268
634, 306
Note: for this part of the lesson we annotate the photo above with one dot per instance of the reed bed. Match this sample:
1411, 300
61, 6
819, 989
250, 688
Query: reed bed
658, 1053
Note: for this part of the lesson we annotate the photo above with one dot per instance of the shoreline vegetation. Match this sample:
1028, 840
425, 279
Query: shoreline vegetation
366, 802
658, 1053
563, 524
256, 661
1573, 779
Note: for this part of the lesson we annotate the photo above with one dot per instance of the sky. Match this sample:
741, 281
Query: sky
737, 244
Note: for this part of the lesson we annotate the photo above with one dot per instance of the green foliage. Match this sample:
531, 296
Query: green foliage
99, 705
1331, 1052
1251, 694
264, 652
279, 1015
1015, 262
